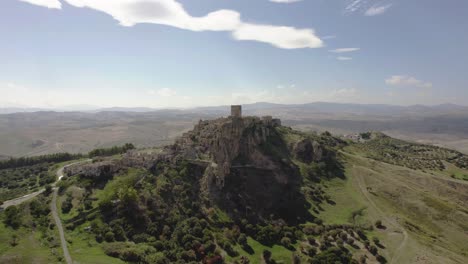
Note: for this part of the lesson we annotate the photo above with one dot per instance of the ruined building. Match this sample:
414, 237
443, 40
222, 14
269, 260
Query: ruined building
236, 111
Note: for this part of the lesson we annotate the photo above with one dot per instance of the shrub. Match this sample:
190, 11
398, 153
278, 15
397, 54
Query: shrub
378, 224
109, 236
286, 242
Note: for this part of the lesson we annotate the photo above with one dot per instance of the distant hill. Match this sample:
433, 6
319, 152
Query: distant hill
21, 133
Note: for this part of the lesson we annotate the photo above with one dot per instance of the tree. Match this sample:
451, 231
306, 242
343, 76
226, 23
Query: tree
67, 205
14, 240
376, 240
286, 242
266, 255
12, 217
242, 239
378, 224
48, 189
296, 259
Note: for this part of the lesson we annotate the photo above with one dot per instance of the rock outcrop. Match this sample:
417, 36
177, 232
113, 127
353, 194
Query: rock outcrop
247, 166
308, 150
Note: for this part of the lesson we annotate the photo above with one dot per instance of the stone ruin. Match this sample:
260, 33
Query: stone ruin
236, 111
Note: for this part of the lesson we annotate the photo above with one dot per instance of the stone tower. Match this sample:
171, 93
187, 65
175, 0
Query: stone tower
236, 111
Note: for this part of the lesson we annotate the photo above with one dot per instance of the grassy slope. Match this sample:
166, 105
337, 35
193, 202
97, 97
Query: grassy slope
30, 248
429, 208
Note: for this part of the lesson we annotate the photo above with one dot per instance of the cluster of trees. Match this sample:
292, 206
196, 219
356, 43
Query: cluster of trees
61, 157
412, 155
15, 182
111, 151
28, 161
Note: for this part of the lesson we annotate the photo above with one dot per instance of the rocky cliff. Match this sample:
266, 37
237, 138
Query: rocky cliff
248, 170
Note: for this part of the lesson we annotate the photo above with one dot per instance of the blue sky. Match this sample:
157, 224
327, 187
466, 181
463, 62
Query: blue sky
168, 53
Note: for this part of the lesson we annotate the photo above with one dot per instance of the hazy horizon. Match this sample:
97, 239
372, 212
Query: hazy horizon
87, 108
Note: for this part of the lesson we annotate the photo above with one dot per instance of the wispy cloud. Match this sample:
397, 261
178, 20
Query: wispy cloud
377, 10
172, 13
344, 58
367, 7
403, 80
355, 5
45, 3
344, 50
285, 1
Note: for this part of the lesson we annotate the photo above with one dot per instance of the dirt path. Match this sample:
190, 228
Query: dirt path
388, 220
58, 223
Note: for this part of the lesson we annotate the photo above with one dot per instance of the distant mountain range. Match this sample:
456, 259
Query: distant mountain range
315, 107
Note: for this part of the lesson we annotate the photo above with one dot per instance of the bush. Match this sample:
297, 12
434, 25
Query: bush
376, 240
286, 242
378, 224
109, 236
242, 240
266, 254
12, 217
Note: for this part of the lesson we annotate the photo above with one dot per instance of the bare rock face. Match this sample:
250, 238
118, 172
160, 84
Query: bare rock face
98, 170
308, 150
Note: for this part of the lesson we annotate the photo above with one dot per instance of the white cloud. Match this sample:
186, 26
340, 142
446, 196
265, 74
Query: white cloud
343, 50
403, 80
165, 12
285, 1
164, 92
377, 10
281, 37
344, 58
45, 3
172, 13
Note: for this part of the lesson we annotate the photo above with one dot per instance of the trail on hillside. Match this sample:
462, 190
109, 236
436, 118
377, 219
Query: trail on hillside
58, 222
392, 222
387, 219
